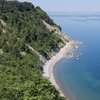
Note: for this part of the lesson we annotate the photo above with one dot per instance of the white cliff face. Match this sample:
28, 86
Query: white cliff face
57, 31
52, 28
2, 22
2, 25
11, 0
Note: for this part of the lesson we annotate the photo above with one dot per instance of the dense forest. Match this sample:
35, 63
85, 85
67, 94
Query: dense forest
21, 27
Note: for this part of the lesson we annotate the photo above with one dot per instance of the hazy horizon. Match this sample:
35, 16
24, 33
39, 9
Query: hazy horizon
73, 6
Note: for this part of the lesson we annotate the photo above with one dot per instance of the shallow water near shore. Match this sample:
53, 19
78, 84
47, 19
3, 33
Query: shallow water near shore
79, 77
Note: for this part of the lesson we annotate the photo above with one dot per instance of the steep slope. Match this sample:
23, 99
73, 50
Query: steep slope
24, 42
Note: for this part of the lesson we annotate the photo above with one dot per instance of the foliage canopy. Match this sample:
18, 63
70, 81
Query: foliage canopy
20, 75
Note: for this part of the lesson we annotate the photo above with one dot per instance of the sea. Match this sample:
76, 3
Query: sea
79, 76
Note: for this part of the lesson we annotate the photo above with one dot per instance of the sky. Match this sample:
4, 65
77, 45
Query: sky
67, 5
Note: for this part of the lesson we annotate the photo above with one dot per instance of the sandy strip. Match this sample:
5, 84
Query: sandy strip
66, 51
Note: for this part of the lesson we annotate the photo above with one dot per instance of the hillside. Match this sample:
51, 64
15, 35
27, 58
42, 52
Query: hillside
25, 44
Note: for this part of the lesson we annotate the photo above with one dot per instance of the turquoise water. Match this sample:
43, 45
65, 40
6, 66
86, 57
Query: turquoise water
80, 79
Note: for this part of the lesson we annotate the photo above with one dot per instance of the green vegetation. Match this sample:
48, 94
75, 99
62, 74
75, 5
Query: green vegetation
20, 75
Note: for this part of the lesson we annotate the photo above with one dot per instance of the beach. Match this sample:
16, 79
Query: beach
66, 51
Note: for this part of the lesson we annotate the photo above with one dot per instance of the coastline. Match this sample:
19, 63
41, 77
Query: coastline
66, 51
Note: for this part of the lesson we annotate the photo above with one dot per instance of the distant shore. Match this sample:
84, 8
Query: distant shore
66, 51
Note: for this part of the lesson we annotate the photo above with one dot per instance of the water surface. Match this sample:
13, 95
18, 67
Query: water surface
80, 79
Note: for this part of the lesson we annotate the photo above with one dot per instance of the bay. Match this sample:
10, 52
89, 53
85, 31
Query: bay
80, 79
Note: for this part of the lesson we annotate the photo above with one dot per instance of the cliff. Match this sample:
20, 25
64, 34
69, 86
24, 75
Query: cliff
28, 38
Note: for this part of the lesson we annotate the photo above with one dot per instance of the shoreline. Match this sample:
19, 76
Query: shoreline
66, 51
